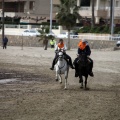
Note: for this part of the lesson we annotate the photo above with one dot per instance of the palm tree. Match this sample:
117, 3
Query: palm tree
67, 15
93, 16
44, 37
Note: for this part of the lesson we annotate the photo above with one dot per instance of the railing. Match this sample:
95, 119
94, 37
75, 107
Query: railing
91, 37
99, 8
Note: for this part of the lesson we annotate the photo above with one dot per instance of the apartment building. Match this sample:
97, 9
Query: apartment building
30, 8
101, 9
30, 11
37, 11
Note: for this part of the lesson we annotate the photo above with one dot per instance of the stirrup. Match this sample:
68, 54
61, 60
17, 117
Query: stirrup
76, 74
91, 74
72, 67
51, 68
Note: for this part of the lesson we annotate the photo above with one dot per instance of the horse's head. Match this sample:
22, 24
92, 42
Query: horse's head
82, 60
60, 56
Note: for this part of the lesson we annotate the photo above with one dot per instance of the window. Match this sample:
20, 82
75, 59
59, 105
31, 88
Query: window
31, 5
85, 3
23, 26
11, 26
117, 3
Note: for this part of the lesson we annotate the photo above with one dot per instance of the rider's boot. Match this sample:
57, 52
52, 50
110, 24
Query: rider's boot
52, 68
71, 65
91, 74
76, 74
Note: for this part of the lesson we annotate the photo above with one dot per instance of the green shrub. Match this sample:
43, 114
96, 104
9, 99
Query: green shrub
105, 29
85, 29
117, 30
93, 30
96, 29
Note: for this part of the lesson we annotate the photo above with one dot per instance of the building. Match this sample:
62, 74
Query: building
38, 11
30, 11
101, 10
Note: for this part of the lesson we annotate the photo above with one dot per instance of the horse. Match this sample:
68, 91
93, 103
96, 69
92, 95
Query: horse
61, 67
83, 69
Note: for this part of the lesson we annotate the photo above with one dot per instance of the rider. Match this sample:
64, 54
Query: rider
62, 46
83, 47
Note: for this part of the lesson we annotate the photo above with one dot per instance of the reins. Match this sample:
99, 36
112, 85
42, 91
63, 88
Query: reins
62, 66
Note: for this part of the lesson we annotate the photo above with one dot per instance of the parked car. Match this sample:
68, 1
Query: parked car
118, 43
51, 34
65, 35
31, 32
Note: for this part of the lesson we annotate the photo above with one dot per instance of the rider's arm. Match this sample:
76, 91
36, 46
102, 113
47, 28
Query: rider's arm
88, 51
79, 51
65, 47
56, 48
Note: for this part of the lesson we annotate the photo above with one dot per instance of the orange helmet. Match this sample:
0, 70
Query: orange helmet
82, 45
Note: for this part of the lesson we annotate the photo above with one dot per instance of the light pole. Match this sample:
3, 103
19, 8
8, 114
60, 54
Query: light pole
112, 17
3, 19
51, 5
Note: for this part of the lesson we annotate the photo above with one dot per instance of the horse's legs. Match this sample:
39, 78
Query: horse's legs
66, 76
60, 78
65, 84
86, 82
81, 81
56, 76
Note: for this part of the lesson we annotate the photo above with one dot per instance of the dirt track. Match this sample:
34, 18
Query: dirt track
31, 93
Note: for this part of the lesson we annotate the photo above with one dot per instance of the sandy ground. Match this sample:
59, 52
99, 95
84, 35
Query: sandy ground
28, 90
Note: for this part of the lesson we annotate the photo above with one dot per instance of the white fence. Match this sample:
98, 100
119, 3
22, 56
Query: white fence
94, 37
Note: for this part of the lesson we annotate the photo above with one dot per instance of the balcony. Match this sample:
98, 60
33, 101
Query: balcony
101, 12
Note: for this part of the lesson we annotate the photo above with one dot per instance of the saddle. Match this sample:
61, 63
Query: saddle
87, 62
64, 59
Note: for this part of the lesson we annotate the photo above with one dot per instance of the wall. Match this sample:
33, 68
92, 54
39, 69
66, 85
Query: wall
33, 42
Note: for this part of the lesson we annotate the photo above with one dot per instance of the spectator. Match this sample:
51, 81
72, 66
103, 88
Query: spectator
52, 43
5, 41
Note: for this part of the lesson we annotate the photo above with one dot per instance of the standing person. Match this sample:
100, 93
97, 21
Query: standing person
52, 42
5, 41
62, 46
45, 42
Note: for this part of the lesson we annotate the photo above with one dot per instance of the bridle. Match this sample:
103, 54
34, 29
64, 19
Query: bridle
61, 56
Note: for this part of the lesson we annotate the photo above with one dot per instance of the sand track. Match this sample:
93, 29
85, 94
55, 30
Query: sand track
31, 93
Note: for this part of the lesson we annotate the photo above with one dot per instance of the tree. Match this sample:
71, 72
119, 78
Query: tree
67, 15
93, 16
44, 37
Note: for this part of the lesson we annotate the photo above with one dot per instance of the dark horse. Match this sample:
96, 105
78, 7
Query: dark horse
83, 69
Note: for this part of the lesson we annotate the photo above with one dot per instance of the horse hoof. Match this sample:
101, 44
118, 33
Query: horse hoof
86, 88
56, 79
65, 88
60, 82
81, 87
80, 81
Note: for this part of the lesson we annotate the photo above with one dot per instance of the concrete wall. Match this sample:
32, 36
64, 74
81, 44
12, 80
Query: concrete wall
33, 42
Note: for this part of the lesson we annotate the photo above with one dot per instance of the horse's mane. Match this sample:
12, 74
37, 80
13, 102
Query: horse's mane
83, 64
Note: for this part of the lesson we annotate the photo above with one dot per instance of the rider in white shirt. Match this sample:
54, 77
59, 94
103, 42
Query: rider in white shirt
61, 46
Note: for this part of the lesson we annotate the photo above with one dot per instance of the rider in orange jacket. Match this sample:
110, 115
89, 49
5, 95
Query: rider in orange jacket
62, 46
83, 47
